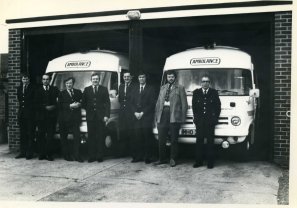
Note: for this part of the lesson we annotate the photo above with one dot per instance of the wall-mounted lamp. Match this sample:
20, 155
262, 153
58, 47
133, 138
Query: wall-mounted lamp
133, 15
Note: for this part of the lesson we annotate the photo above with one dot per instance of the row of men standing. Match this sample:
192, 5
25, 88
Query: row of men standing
40, 107
136, 117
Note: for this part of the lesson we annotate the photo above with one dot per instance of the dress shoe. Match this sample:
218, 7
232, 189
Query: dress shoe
50, 158
159, 162
147, 161
79, 159
70, 158
91, 160
172, 163
99, 160
20, 156
135, 160
197, 164
210, 165
29, 156
42, 157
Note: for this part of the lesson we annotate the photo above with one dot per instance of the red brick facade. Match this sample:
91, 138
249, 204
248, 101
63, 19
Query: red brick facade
282, 87
13, 75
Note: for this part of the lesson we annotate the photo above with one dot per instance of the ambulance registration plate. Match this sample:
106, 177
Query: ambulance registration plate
188, 132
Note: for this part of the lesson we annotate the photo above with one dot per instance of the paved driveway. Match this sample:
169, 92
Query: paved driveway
119, 180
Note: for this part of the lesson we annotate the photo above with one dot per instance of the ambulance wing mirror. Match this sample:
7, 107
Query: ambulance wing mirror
255, 93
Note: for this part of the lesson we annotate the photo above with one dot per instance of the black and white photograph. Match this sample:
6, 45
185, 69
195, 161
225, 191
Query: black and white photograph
147, 103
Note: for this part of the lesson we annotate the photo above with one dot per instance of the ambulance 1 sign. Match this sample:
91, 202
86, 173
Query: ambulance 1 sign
77, 64
205, 61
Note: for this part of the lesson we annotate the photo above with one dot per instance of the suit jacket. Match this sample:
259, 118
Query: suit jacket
66, 114
42, 99
178, 103
97, 105
26, 101
144, 102
125, 100
206, 108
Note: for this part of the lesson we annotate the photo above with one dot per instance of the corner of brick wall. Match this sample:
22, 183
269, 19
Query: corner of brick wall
282, 87
14, 68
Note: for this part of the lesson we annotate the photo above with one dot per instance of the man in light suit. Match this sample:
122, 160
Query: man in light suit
142, 103
170, 113
25, 95
46, 117
69, 120
206, 106
97, 104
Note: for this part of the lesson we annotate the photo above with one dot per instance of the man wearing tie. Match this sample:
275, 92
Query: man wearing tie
206, 106
143, 103
97, 104
69, 120
171, 111
25, 95
126, 115
46, 116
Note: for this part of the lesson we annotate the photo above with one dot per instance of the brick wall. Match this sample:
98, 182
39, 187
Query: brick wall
14, 68
282, 87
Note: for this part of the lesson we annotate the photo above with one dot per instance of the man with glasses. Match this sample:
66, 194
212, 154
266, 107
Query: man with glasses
206, 107
46, 116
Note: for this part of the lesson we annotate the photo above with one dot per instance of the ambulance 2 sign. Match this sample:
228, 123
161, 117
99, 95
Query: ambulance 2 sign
77, 64
205, 61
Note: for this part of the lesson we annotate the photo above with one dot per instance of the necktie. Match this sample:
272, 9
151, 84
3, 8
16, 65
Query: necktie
125, 89
71, 93
95, 89
141, 89
168, 92
24, 89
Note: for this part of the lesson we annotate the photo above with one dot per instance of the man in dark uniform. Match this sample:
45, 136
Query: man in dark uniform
46, 116
125, 115
69, 120
206, 106
25, 95
143, 103
97, 104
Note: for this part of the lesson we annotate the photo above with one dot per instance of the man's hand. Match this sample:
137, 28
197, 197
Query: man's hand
105, 119
75, 105
138, 115
50, 107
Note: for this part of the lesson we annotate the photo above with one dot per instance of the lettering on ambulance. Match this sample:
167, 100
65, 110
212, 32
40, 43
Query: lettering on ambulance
75, 64
205, 61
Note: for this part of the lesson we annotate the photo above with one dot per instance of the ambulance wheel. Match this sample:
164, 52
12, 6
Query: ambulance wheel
110, 142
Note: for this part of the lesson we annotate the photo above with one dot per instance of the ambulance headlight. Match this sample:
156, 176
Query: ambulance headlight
235, 121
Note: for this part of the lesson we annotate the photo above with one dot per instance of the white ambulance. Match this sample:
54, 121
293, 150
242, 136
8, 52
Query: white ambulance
109, 65
232, 75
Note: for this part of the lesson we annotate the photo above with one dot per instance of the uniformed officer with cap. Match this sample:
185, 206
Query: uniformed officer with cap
206, 106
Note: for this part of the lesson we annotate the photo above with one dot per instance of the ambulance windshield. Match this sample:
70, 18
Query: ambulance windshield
228, 82
83, 79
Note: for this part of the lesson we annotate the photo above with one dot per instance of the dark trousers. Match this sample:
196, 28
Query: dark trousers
142, 143
46, 129
70, 147
205, 130
26, 136
126, 124
165, 127
96, 135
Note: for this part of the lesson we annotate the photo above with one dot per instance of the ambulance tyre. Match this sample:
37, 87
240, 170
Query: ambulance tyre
110, 141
